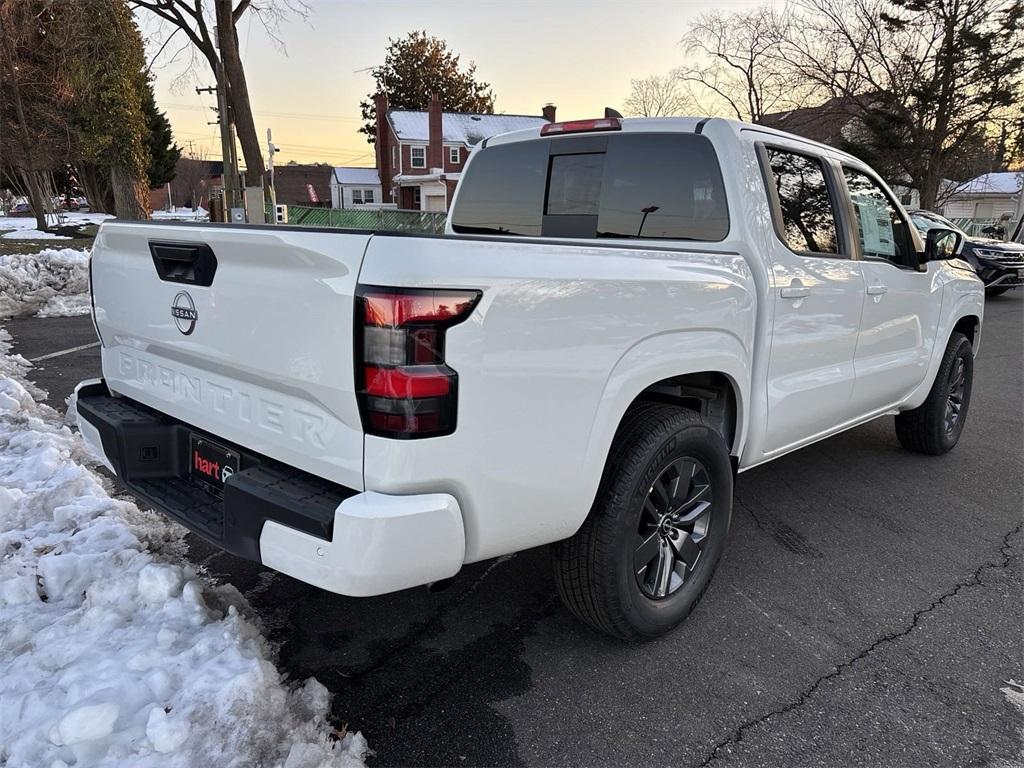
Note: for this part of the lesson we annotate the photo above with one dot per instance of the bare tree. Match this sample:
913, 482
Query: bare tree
658, 96
189, 181
928, 78
734, 64
203, 20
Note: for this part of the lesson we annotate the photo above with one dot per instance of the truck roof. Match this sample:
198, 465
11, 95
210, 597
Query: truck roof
674, 125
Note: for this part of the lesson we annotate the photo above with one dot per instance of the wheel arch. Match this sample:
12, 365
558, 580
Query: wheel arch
966, 318
706, 370
969, 326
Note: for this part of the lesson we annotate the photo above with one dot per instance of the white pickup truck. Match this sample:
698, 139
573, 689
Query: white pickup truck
622, 315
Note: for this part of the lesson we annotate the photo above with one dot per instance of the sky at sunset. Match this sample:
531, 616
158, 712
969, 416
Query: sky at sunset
577, 55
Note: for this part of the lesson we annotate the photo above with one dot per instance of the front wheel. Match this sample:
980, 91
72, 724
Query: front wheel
936, 425
652, 541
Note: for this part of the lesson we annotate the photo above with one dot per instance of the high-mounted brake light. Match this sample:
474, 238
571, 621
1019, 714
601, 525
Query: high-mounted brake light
582, 126
405, 390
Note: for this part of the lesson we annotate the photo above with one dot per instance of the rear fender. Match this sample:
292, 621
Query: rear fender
655, 359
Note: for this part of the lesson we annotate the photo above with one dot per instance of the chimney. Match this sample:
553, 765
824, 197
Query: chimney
435, 149
382, 147
549, 112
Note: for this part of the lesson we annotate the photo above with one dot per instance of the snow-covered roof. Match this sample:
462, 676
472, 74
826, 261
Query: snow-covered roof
458, 127
1006, 183
364, 176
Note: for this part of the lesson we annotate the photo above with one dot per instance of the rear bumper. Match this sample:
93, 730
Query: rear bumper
351, 543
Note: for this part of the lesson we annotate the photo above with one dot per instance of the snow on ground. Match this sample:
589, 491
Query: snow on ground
182, 214
113, 652
52, 283
1014, 693
24, 227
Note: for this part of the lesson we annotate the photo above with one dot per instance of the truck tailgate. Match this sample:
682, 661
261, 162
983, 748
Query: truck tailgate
261, 357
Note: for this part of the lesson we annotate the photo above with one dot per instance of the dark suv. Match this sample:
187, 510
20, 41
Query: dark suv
999, 264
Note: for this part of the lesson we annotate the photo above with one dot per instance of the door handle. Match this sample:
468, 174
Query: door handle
795, 290
877, 290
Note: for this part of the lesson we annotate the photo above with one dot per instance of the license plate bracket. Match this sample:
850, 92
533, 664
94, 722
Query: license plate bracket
210, 464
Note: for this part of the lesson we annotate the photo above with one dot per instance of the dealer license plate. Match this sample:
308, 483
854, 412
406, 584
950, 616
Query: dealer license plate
210, 464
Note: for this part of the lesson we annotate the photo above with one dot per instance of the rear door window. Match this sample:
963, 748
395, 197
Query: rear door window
805, 216
635, 186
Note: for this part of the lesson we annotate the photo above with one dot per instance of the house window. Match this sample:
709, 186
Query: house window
453, 155
367, 195
394, 157
418, 156
357, 197
416, 198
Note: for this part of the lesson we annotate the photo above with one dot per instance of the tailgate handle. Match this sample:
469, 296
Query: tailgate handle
190, 263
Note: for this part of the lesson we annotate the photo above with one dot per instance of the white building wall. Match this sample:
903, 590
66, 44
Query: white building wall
341, 195
988, 207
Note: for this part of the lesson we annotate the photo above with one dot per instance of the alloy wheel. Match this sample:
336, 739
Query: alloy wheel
955, 399
673, 530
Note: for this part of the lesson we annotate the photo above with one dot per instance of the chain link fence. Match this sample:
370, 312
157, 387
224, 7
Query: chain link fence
379, 219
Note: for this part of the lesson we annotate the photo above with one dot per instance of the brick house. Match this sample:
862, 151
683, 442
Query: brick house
422, 153
300, 183
193, 180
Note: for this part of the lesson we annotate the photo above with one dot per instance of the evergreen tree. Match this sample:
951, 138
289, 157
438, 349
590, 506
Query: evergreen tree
417, 66
163, 152
110, 89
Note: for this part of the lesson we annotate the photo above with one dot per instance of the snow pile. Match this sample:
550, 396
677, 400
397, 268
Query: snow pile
24, 227
51, 282
33, 234
1014, 693
110, 655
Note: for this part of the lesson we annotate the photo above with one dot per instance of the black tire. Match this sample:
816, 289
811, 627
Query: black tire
998, 290
594, 570
927, 428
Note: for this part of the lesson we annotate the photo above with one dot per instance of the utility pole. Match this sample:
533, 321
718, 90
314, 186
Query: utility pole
227, 137
271, 151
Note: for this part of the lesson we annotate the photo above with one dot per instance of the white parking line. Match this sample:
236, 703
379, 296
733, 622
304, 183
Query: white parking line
64, 352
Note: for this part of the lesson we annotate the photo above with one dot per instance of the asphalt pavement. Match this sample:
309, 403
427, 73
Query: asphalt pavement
869, 611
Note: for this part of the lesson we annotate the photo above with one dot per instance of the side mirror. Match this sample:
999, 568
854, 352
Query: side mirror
942, 244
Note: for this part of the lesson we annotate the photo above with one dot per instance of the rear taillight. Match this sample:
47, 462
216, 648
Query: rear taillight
582, 126
405, 389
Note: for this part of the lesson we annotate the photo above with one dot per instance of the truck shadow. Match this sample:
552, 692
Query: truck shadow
415, 671
494, 671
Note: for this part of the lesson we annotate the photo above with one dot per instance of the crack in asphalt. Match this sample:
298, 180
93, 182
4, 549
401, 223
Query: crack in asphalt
975, 579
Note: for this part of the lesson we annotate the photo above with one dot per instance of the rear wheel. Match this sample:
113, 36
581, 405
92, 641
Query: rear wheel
657, 529
936, 425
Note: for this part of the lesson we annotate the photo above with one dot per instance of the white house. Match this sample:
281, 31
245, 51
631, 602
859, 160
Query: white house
989, 196
355, 188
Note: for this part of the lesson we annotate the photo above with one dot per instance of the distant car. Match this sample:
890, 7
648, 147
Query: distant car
999, 264
21, 209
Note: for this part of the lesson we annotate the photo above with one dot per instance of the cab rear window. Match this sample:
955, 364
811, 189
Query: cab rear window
634, 186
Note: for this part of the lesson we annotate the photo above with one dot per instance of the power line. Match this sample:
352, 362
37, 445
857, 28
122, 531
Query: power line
281, 115
296, 148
